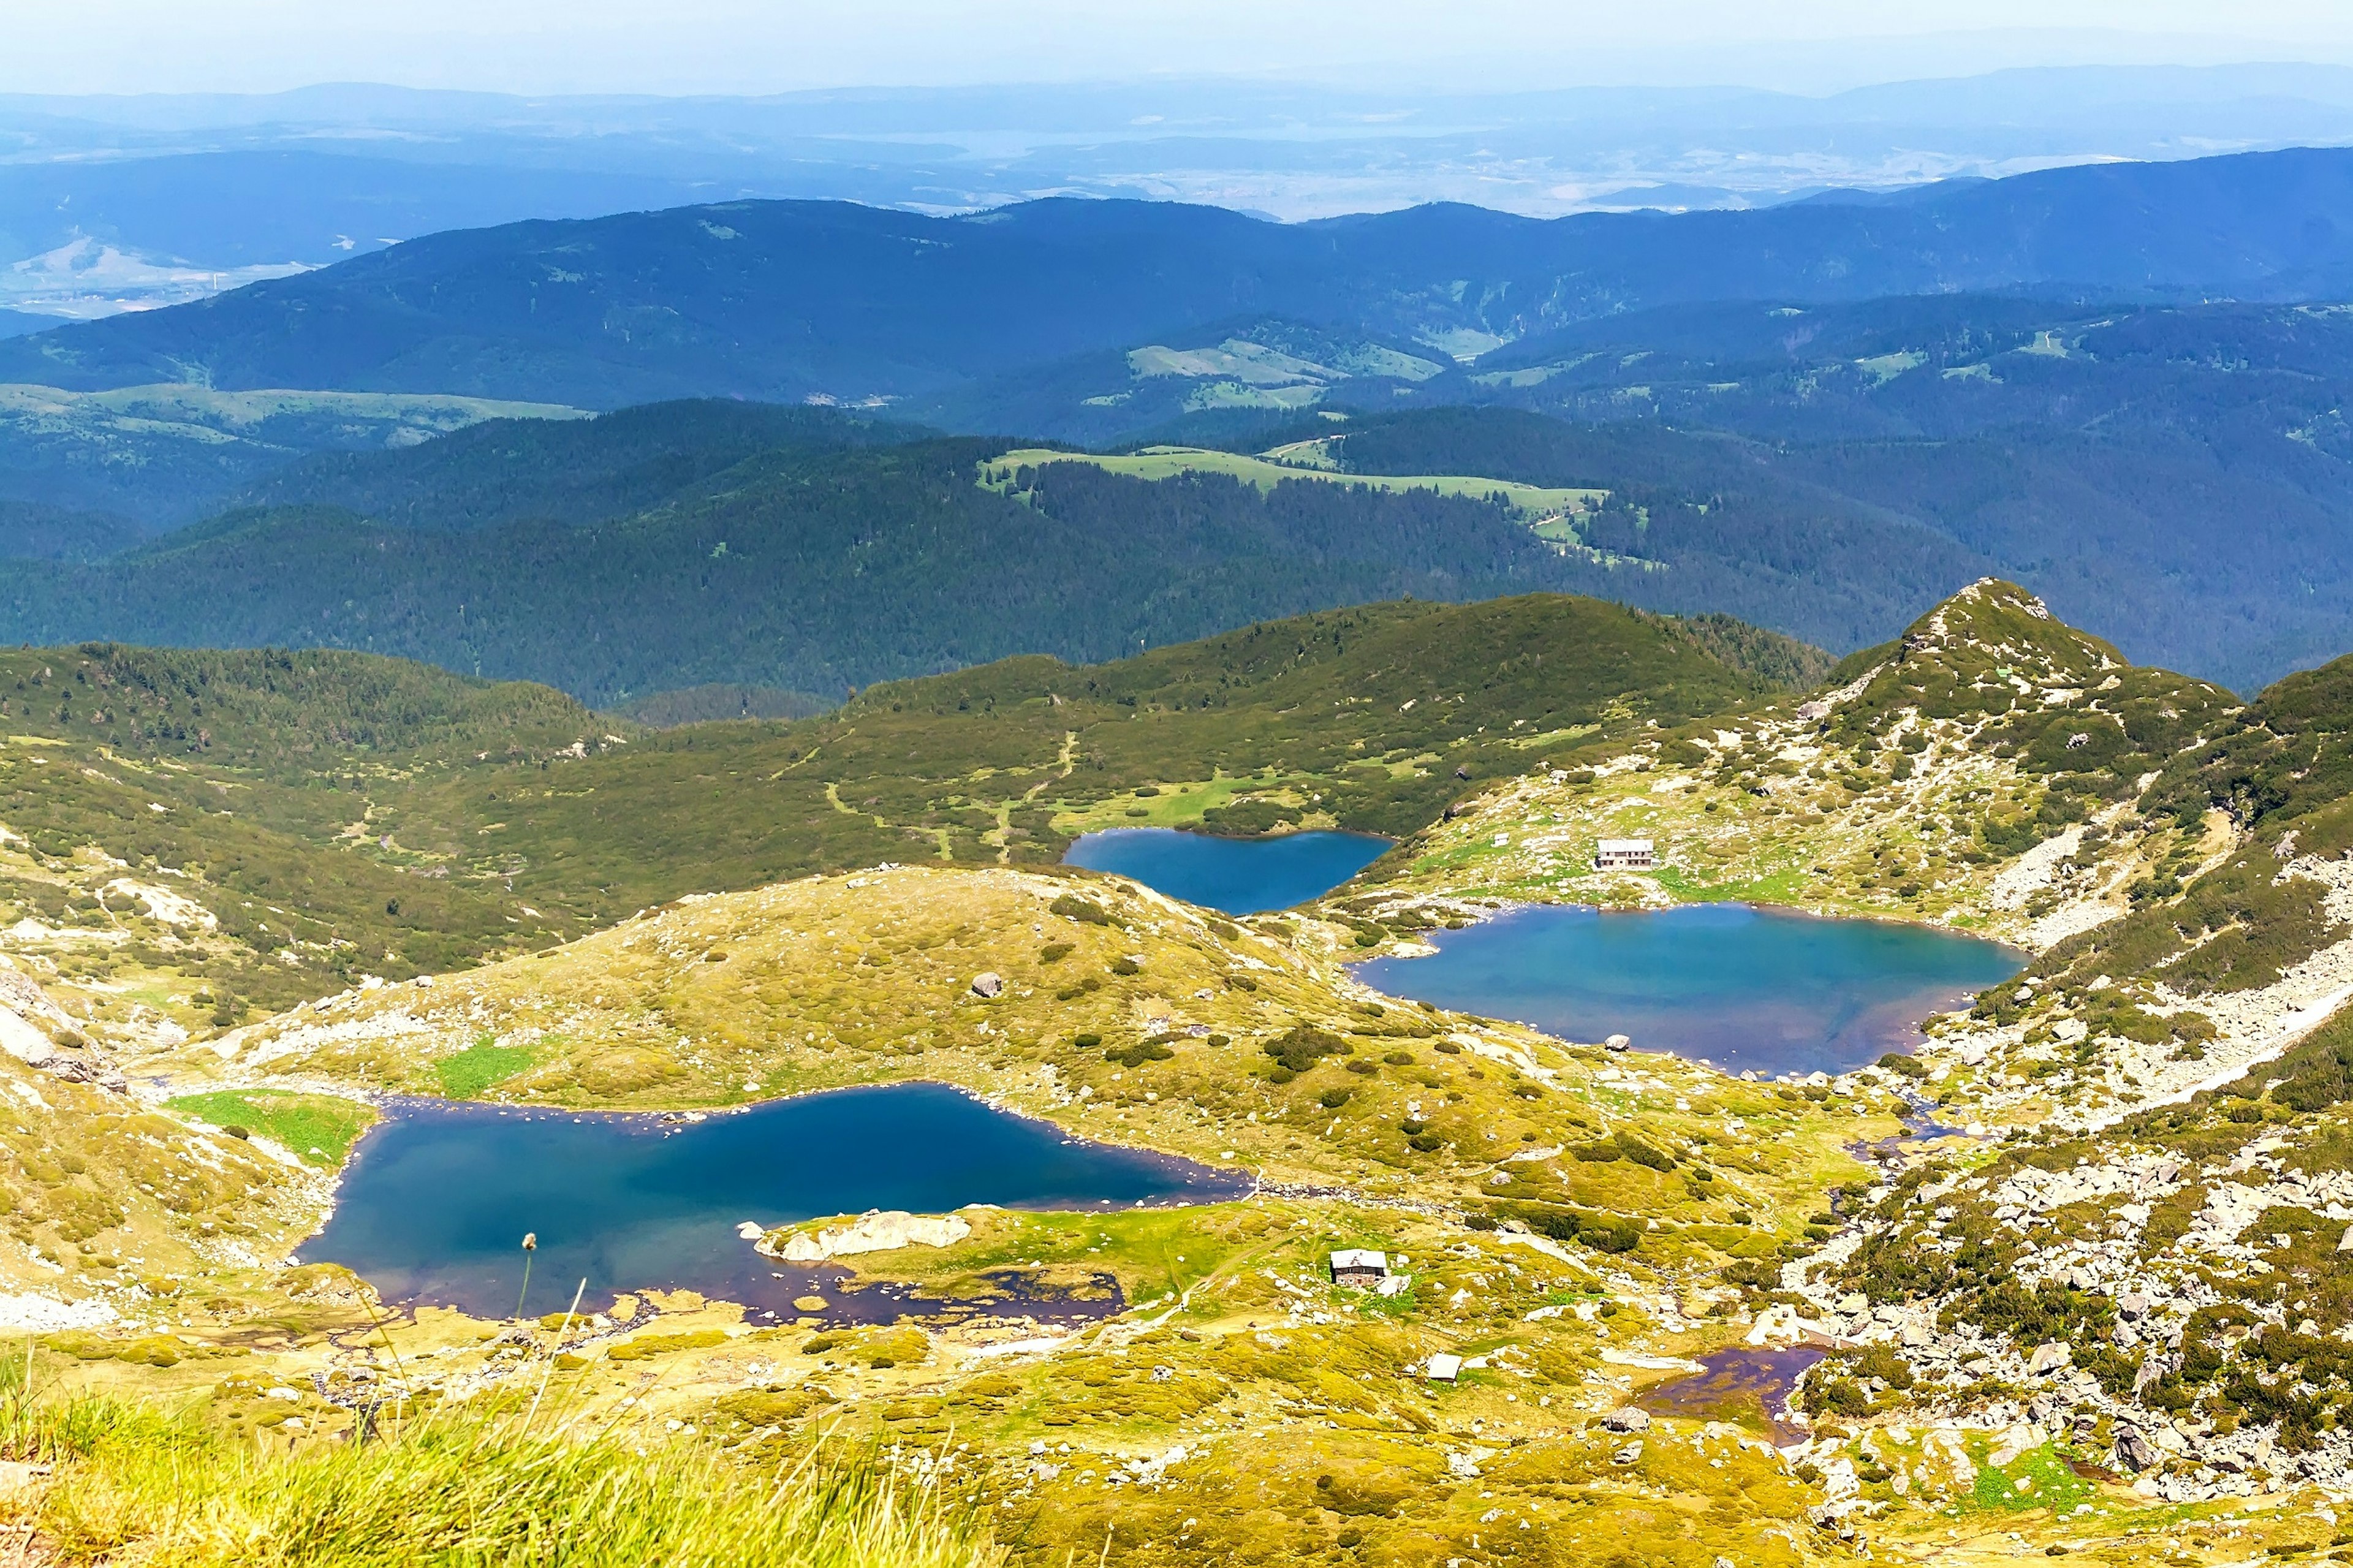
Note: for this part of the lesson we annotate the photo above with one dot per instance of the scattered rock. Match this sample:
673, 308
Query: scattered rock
988, 984
1618, 1043
1627, 1420
878, 1230
2134, 1452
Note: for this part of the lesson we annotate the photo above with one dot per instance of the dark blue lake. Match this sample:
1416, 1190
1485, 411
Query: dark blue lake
1729, 983
1238, 876
437, 1199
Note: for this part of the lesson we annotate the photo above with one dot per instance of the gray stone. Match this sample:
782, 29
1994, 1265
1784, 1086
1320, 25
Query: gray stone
989, 985
2134, 1452
1627, 1420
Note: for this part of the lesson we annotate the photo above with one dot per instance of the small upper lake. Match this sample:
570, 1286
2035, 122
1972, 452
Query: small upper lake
1237, 876
1736, 985
437, 1197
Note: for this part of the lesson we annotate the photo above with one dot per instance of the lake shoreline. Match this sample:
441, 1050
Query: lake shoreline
1577, 956
595, 1186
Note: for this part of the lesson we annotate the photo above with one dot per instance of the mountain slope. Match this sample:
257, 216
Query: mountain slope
823, 570
1253, 730
523, 471
2088, 1297
166, 455
260, 827
2174, 480
787, 300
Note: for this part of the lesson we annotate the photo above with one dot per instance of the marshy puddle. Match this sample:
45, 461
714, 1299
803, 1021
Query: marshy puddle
437, 1199
1747, 1388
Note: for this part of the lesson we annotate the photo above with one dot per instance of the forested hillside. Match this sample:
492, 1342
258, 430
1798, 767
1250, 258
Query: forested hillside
822, 569
156, 457
571, 472
288, 820
789, 299
2173, 479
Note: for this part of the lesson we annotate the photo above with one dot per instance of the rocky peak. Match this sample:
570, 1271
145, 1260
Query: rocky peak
1992, 661
1994, 634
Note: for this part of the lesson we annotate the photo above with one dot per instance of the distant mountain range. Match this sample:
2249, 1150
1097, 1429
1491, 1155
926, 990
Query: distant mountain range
85, 238
1290, 148
794, 301
1781, 440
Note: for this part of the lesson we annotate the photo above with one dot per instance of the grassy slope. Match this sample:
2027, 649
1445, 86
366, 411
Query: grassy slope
1917, 789
1304, 1428
121, 1482
1360, 717
793, 1010
845, 979
1262, 1372
108, 1200
193, 834
187, 834
1532, 502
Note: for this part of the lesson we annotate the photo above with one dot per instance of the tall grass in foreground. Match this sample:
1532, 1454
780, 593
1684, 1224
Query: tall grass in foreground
133, 1484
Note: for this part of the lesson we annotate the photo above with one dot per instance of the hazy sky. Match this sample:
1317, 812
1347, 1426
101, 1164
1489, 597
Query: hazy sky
765, 46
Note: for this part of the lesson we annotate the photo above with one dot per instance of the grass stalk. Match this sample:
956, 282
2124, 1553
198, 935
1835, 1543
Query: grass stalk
136, 1486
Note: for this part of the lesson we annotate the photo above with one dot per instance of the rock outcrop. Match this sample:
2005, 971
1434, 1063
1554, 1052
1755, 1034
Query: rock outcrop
877, 1230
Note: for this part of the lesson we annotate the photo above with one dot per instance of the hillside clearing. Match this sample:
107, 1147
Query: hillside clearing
1531, 502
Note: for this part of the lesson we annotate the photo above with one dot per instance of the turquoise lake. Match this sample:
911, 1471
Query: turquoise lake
1237, 876
437, 1197
1736, 985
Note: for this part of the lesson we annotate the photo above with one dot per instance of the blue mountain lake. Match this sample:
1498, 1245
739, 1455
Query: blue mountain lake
437, 1197
1732, 984
1237, 876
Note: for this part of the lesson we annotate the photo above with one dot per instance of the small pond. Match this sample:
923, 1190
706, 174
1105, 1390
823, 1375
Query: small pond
1751, 1387
1736, 985
1237, 876
437, 1199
